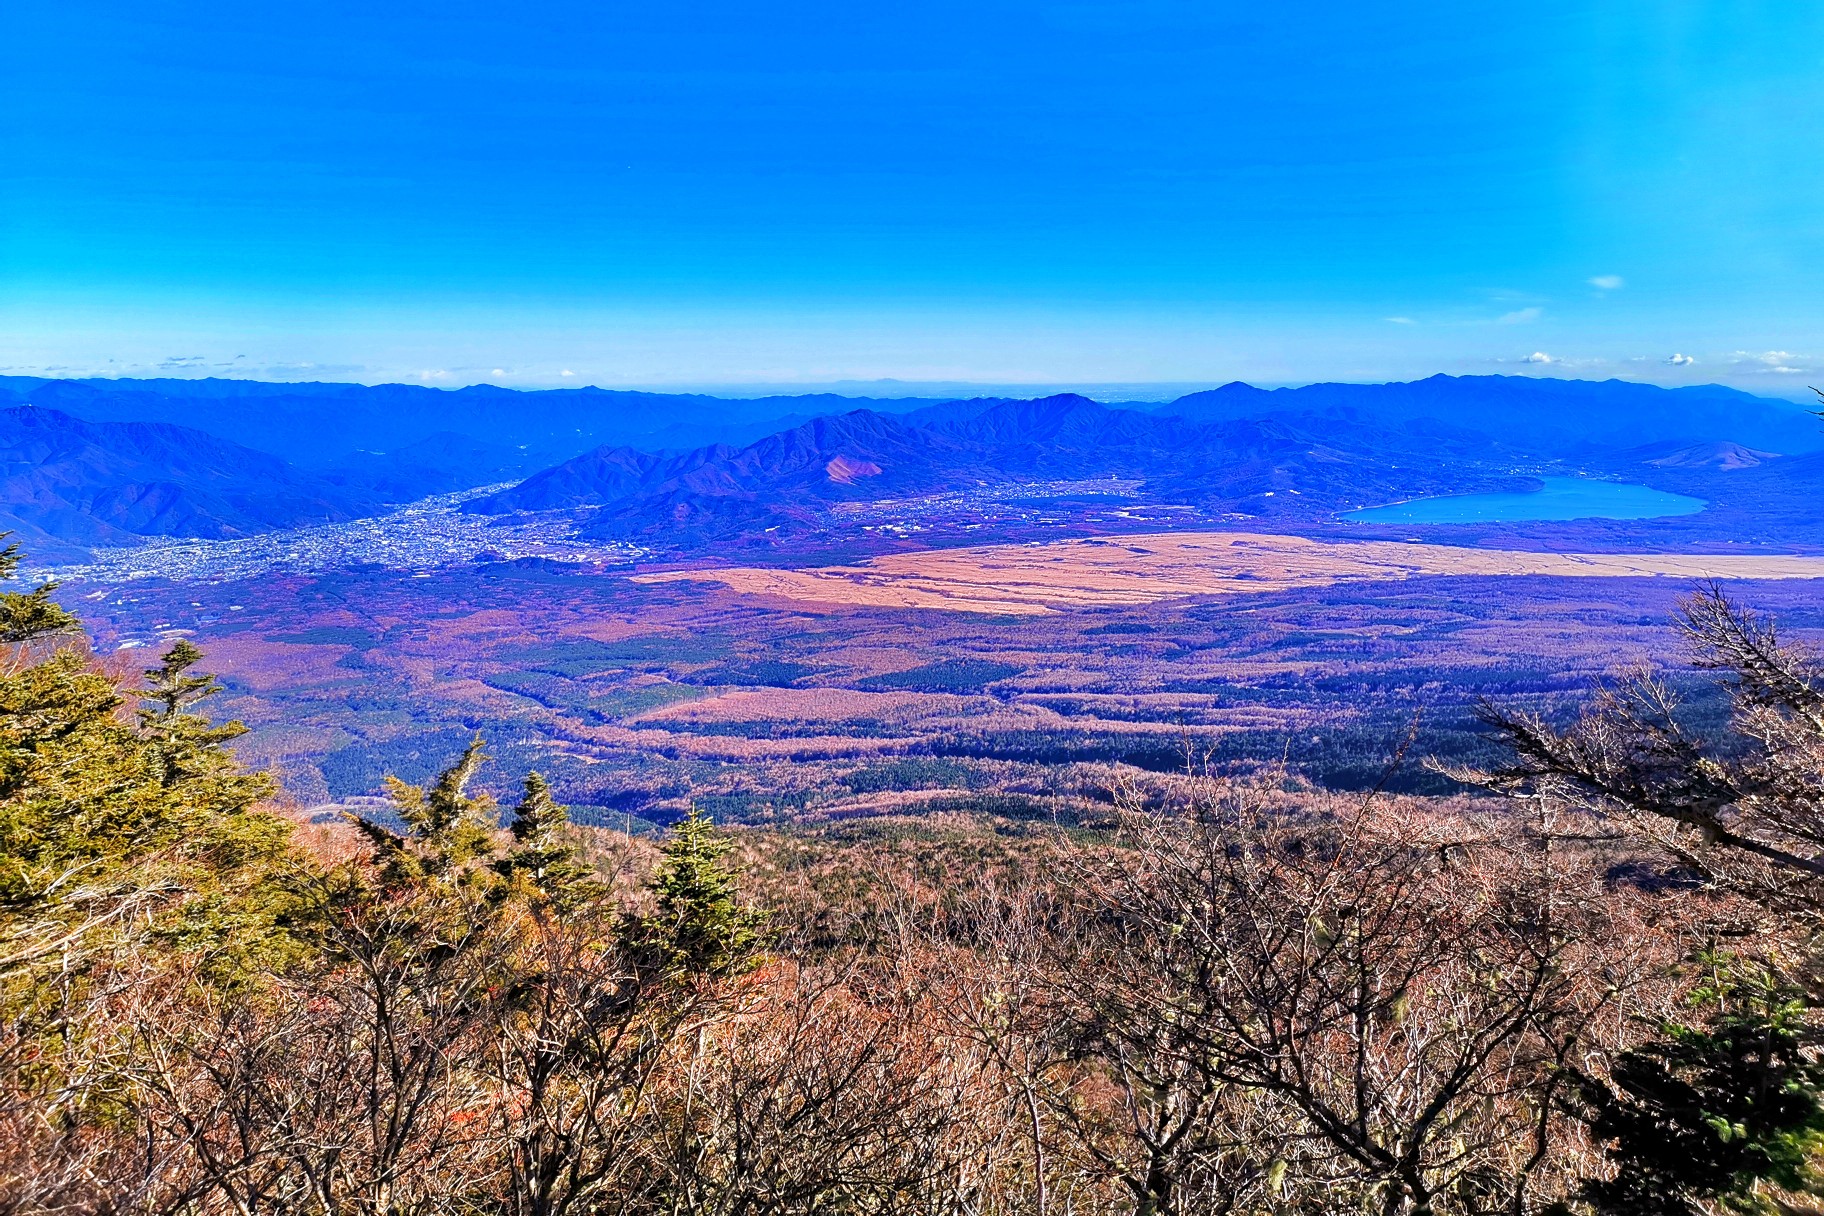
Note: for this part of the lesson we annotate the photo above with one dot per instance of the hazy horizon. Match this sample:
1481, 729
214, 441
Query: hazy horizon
887, 389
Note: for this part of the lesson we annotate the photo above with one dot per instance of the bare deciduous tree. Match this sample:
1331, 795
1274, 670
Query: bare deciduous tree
1745, 811
1406, 995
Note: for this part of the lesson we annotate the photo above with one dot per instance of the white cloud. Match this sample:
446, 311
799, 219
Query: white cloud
1522, 315
1778, 362
500, 371
1608, 282
434, 374
1401, 320
1681, 360
1538, 356
566, 372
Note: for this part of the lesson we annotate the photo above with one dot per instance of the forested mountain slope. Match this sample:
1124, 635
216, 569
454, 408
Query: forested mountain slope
114, 482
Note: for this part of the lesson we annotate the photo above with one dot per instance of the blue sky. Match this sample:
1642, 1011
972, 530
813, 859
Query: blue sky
720, 193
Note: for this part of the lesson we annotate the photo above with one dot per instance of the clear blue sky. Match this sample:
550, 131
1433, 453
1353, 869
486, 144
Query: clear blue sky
691, 192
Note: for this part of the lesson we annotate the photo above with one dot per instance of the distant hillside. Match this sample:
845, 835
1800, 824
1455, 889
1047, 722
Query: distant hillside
111, 483
693, 469
438, 464
1719, 455
324, 425
1558, 416
864, 456
879, 456
321, 425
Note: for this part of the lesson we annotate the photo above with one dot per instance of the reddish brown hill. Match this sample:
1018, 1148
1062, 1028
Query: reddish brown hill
1714, 456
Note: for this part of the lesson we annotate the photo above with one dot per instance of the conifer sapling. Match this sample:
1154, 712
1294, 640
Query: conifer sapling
449, 833
542, 861
700, 926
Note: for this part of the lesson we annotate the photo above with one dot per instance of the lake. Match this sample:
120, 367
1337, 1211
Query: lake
1561, 498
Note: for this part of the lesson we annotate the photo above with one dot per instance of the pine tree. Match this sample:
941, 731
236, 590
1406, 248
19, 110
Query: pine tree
700, 926
543, 864
450, 835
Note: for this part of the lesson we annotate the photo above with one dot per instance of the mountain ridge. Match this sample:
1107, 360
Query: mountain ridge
106, 483
1274, 453
1533, 410
1061, 438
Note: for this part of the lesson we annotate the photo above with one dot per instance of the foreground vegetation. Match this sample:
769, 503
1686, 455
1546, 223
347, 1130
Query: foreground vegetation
1234, 996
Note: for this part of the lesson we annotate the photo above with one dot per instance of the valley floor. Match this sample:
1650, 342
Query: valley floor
1145, 569
814, 694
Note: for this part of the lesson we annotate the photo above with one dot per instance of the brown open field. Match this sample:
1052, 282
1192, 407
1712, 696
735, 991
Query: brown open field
639, 699
1031, 579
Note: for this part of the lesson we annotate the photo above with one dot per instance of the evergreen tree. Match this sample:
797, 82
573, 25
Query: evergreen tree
1707, 1114
700, 926
110, 828
185, 744
29, 615
450, 834
542, 863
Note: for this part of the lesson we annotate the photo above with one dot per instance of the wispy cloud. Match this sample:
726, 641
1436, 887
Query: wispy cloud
1521, 316
1608, 282
286, 371
1402, 320
1776, 362
566, 372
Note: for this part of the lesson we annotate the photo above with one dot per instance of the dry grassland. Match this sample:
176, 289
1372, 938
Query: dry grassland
1040, 578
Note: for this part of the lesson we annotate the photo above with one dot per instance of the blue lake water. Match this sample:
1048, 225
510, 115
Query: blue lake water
1562, 498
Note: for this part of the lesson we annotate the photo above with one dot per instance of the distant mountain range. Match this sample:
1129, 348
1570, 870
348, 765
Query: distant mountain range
1530, 413
111, 483
321, 425
1286, 453
719, 490
104, 462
